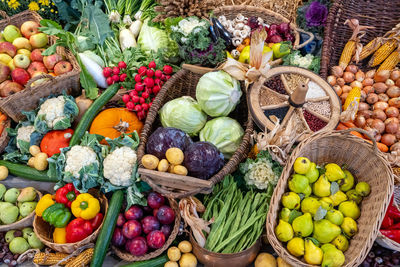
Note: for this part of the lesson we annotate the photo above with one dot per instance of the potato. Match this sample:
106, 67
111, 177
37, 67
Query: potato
34, 150
150, 162
3, 173
188, 260
265, 260
185, 246
171, 168
163, 165
31, 161
171, 264
181, 170
282, 263
40, 162
174, 254
174, 155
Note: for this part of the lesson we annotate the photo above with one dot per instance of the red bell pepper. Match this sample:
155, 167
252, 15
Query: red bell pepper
387, 222
392, 234
66, 194
78, 229
96, 221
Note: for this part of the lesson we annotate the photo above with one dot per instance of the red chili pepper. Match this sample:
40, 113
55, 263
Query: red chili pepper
96, 221
66, 194
392, 234
387, 222
393, 213
78, 229
394, 227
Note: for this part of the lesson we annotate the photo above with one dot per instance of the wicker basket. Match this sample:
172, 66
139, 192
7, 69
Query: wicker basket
366, 163
44, 230
269, 17
183, 83
4, 138
381, 14
25, 222
28, 98
122, 254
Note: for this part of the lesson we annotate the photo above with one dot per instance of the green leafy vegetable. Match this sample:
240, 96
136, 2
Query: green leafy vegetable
308, 61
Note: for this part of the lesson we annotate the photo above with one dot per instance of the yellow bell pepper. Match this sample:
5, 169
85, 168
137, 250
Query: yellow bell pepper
60, 235
85, 206
45, 202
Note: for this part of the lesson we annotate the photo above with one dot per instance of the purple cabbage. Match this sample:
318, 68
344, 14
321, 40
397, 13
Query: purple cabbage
316, 14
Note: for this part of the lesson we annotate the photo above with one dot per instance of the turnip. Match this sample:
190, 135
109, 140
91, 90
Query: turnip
126, 39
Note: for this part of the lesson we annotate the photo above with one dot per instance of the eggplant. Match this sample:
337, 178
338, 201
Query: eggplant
214, 33
224, 34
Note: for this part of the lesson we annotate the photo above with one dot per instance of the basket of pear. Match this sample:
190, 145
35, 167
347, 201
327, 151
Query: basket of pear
329, 202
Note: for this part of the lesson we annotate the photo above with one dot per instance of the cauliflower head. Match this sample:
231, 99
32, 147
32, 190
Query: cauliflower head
79, 157
24, 134
53, 109
118, 166
261, 174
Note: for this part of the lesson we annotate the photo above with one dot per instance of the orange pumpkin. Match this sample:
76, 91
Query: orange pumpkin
113, 122
53, 141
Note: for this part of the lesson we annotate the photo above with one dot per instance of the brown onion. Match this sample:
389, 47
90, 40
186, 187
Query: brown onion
392, 127
398, 82
392, 112
369, 121
378, 125
373, 132
379, 114
381, 105
346, 88
348, 77
351, 68
389, 82
356, 84
340, 81
370, 74
388, 139
360, 121
380, 88
398, 135
368, 81
363, 96
363, 106
337, 71
393, 91
366, 113
382, 76
368, 89
338, 89
331, 80
395, 75
383, 97
343, 97
360, 76
372, 98
395, 147
394, 102
389, 120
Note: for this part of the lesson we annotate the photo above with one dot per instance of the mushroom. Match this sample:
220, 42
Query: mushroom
239, 26
236, 41
245, 20
247, 28
244, 34
235, 54
222, 18
239, 18
236, 33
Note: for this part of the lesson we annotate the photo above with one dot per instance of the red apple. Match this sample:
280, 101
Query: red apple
36, 67
20, 76
4, 72
8, 88
8, 48
62, 67
39, 40
51, 61
29, 28
36, 54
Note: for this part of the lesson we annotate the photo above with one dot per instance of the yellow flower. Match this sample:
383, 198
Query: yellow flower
53, 4
44, 2
56, 12
33, 6
14, 4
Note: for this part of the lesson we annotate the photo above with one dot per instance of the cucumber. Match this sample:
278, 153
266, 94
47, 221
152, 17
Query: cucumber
27, 172
107, 229
156, 262
92, 111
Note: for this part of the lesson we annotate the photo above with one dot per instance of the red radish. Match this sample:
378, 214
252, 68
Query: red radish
142, 100
130, 105
115, 78
126, 98
168, 69
168, 77
157, 81
163, 77
122, 65
135, 99
142, 70
150, 73
145, 106
152, 65
139, 87
115, 70
138, 108
134, 92
122, 77
107, 71
149, 82
109, 81
138, 78
158, 73
156, 89
145, 95
148, 90
151, 103
141, 115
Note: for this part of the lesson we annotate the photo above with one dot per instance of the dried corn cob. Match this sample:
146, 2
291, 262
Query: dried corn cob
370, 48
354, 95
391, 61
82, 259
347, 53
383, 52
44, 258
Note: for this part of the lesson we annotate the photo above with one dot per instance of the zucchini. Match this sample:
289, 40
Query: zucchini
92, 111
156, 262
107, 229
27, 172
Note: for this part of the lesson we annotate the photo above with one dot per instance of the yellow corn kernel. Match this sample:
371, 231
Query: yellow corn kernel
382, 53
82, 259
369, 48
354, 95
43, 258
391, 61
347, 53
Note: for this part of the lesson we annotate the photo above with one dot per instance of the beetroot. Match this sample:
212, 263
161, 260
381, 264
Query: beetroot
137, 246
120, 220
118, 238
155, 200
150, 223
275, 39
134, 213
165, 215
166, 229
156, 239
131, 229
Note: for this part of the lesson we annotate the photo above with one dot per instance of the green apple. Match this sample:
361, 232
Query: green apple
21, 61
38, 40
11, 32
25, 52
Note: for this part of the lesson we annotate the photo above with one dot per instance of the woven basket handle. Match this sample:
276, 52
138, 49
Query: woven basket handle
361, 131
306, 42
41, 76
4, 14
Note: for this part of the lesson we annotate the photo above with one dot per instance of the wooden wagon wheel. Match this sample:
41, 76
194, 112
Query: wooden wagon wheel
293, 100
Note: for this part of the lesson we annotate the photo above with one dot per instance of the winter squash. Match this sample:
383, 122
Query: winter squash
113, 122
53, 141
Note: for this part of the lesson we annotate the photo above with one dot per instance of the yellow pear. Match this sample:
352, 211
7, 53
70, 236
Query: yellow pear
348, 182
284, 231
312, 253
322, 187
341, 243
334, 172
350, 209
332, 256
349, 226
310, 204
338, 198
296, 247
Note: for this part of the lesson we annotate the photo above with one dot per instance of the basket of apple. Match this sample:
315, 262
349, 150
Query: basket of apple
25, 74
144, 232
